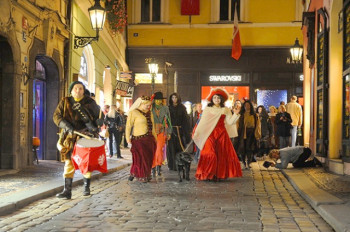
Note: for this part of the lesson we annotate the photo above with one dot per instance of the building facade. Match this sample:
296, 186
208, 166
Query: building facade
192, 46
326, 84
38, 61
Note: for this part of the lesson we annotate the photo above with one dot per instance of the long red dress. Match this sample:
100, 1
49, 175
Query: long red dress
218, 159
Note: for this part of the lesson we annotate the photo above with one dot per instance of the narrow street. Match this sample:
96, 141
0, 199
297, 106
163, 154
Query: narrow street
261, 200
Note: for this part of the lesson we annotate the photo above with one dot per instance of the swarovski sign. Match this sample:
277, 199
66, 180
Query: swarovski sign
225, 78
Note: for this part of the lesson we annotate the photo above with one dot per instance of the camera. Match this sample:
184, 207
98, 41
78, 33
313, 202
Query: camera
267, 164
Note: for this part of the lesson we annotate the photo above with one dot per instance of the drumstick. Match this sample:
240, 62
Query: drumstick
82, 135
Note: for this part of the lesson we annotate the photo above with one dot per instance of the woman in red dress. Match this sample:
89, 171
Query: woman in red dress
218, 159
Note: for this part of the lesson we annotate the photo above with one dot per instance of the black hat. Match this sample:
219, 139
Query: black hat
158, 95
72, 85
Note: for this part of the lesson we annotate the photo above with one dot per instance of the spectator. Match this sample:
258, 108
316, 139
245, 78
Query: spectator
249, 131
272, 116
283, 122
266, 131
295, 111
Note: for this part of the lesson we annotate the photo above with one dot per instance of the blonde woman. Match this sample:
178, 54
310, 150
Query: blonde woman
142, 140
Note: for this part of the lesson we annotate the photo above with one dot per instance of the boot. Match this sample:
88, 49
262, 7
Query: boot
86, 187
158, 170
67, 191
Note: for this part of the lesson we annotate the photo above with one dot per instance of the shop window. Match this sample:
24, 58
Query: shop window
150, 11
227, 9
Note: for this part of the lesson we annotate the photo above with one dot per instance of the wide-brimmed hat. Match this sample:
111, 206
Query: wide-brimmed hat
158, 95
218, 91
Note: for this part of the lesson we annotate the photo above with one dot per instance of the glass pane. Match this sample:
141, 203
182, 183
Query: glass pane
145, 10
156, 11
224, 10
236, 4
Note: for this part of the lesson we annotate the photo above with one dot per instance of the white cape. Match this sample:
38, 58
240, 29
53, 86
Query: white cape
208, 121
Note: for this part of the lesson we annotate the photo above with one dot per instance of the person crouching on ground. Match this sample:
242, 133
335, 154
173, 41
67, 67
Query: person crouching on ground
80, 113
218, 159
143, 139
299, 156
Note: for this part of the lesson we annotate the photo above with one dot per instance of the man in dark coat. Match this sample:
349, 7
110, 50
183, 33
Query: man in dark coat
78, 112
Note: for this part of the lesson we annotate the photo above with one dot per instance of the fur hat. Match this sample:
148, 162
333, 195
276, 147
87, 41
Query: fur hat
218, 91
71, 86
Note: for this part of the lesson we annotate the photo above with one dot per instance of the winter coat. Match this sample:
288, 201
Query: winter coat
283, 127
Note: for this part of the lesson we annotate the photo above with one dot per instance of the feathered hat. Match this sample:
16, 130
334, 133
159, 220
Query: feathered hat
218, 91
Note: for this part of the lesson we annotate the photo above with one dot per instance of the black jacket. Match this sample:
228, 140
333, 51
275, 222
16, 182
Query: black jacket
284, 124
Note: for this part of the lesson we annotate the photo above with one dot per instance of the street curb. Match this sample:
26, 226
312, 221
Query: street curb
21, 199
332, 209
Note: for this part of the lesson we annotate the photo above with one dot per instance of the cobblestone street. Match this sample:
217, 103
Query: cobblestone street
262, 200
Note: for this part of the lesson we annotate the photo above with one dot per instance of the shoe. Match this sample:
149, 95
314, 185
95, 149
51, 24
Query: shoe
110, 156
120, 157
131, 178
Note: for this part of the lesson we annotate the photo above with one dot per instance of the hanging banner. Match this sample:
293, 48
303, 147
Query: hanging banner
122, 88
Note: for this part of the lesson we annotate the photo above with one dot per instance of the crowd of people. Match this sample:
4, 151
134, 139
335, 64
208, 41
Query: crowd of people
223, 137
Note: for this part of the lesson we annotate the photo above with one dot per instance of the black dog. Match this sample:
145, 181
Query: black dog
183, 162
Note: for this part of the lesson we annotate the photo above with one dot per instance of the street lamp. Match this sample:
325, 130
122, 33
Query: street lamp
153, 70
296, 52
97, 17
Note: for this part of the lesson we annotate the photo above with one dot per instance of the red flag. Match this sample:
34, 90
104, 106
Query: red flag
236, 43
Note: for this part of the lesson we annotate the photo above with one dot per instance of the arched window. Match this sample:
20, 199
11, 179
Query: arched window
87, 69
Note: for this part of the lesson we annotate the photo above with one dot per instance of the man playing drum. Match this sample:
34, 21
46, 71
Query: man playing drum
75, 113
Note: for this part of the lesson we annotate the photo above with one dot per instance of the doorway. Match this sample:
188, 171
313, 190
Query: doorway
39, 116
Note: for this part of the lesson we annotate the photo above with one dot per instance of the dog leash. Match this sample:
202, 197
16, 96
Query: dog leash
188, 145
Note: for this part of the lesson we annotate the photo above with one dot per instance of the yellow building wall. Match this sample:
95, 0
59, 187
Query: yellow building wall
335, 83
268, 23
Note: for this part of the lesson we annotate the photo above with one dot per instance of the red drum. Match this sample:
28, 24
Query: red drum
89, 155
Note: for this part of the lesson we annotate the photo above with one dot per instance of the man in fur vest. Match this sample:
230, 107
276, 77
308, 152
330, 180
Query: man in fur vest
80, 113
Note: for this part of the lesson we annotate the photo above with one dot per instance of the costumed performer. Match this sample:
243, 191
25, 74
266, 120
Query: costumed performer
143, 139
162, 124
218, 159
80, 113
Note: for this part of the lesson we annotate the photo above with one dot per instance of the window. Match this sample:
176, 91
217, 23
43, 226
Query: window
227, 9
83, 72
150, 11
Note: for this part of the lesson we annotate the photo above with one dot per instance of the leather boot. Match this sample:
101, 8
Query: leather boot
67, 191
86, 187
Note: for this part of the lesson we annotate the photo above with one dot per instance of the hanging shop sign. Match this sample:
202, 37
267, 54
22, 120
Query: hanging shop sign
126, 75
122, 88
